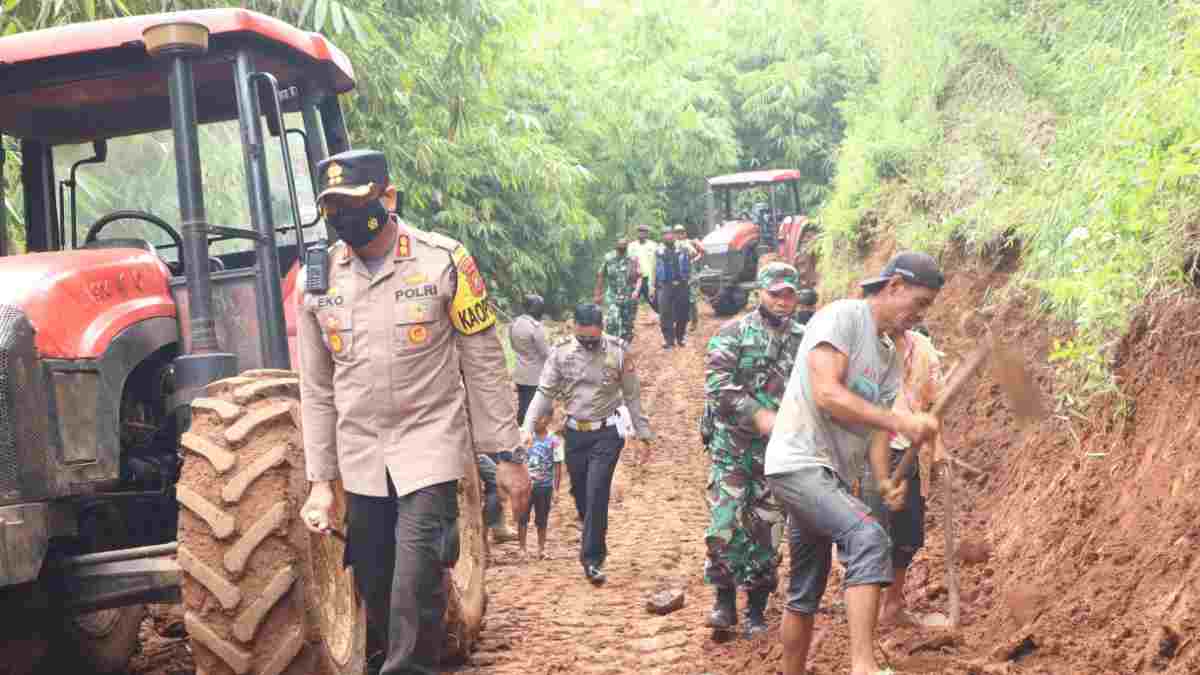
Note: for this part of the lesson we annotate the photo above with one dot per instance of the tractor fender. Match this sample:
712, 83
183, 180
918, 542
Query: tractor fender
85, 405
732, 235
78, 301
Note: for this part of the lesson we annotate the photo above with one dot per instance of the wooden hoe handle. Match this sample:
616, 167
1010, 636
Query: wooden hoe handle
957, 381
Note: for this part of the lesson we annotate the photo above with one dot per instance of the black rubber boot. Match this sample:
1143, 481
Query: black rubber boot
756, 612
724, 611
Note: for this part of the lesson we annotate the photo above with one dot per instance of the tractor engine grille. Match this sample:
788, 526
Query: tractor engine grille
16, 355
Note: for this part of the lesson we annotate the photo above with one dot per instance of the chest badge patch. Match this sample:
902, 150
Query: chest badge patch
335, 343
418, 335
416, 279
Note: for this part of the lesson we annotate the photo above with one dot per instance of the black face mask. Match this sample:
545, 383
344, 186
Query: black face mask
773, 320
351, 224
589, 343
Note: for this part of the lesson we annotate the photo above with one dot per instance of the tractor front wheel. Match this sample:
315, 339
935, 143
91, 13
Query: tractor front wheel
261, 594
730, 301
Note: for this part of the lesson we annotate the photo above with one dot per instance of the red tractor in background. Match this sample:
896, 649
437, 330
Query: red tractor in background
150, 448
770, 225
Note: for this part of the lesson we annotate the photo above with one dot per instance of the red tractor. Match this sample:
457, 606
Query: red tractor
150, 449
767, 223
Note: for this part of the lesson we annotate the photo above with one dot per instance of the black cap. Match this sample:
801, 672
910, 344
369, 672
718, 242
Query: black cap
534, 303
354, 173
588, 314
915, 268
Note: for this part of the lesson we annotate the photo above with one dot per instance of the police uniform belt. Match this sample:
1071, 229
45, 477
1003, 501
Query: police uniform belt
585, 425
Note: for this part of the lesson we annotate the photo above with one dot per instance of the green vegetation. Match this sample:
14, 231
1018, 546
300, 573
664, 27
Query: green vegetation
1062, 127
537, 131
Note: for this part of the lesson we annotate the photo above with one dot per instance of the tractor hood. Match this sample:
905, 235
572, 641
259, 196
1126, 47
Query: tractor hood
79, 300
730, 235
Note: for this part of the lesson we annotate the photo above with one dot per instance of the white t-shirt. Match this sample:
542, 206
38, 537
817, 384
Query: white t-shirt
805, 435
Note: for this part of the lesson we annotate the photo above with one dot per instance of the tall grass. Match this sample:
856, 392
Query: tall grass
1069, 127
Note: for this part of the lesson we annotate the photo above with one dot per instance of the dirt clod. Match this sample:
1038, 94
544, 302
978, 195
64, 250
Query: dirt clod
1024, 602
666, 601
974, 551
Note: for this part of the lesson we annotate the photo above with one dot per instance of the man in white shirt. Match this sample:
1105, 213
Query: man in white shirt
643, 251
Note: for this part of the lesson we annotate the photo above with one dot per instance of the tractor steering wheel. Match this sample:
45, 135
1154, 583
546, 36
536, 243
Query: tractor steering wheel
93, 232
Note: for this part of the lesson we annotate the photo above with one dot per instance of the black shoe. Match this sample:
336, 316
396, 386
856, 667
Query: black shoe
594, 574
756, 612
668, 345
682, 342
724, 611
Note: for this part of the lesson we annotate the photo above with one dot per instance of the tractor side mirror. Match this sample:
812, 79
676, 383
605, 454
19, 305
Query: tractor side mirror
274, 124
100, 150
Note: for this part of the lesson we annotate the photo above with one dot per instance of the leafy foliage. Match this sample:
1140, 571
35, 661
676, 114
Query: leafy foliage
1061, 126
537, 131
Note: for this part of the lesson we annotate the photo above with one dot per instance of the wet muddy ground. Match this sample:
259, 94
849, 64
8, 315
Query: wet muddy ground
1059, 528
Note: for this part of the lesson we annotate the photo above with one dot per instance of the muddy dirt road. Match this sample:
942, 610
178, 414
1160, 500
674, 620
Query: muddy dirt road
544, 617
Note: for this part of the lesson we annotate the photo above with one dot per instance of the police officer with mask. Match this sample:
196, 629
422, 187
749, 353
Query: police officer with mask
401, 375
592, 375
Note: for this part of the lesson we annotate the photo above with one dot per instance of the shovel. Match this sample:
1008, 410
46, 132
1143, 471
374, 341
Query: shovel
1009, 370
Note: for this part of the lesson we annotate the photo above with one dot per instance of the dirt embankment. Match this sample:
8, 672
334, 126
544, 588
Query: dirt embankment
1086, 525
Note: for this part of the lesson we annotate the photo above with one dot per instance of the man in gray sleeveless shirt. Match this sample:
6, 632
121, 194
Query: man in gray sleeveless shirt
837, 407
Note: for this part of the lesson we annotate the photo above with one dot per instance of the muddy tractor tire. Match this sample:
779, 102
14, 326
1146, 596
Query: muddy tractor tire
101, 642
46, 640
730, 301
261, 595
465, 584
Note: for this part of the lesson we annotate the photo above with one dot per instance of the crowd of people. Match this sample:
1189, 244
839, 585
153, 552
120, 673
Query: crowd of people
807, 413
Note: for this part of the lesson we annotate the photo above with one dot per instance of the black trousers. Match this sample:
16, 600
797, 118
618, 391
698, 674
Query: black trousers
400, 548
525, 394
591, 461
644, 294
674, 306
491, 492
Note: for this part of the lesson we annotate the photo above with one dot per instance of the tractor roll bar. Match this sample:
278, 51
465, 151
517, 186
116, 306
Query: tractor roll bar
270, 290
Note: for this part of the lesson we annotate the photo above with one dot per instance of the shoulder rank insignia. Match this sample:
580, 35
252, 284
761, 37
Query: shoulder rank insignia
471, 312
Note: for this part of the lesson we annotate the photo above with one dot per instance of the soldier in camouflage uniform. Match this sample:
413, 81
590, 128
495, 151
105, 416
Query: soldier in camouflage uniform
618, 284
748, 365
696, 251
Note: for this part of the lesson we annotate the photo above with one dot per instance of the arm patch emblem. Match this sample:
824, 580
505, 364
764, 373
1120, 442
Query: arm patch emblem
470, 310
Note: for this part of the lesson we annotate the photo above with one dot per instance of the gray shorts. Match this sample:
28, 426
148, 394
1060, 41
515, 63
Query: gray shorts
821, 511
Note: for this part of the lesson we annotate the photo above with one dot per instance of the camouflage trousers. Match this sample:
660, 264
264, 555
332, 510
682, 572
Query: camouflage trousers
746, 522
619, 316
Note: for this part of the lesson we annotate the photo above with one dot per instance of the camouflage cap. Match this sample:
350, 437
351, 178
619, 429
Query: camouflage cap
354, 173
777, 276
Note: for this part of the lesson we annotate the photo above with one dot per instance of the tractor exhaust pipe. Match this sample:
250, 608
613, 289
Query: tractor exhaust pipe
202, 362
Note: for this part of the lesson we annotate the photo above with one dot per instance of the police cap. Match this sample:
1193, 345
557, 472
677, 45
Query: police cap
354, 173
